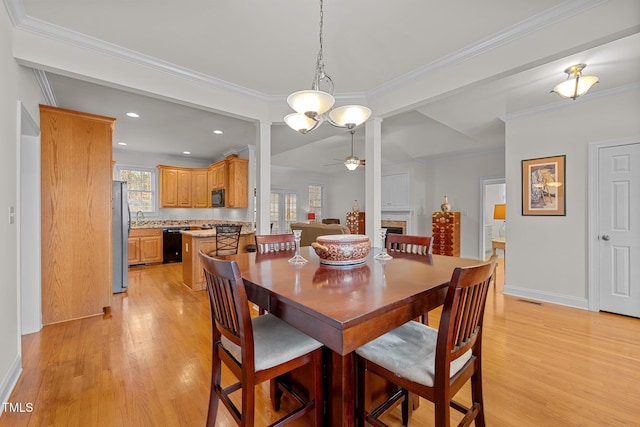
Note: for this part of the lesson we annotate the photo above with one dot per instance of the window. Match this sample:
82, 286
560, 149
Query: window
315, 201
141, 186
283, 211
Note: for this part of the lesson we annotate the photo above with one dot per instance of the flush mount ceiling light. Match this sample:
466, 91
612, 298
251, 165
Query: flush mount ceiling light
133, 115
314, 106
576, 84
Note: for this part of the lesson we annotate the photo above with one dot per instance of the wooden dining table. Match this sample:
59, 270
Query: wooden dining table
346, 307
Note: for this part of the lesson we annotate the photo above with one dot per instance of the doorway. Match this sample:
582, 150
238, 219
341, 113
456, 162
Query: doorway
493, 191
29, 270
283, 210
614, 227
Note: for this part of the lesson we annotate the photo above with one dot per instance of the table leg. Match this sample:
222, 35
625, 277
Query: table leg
341, 390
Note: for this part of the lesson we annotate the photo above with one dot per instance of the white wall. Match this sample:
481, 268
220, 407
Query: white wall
547, 256
17, 83
459, 178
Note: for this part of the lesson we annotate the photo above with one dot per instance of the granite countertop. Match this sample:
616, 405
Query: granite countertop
209, 233
247, 227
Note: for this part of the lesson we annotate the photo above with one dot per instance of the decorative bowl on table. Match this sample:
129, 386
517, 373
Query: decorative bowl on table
342, 249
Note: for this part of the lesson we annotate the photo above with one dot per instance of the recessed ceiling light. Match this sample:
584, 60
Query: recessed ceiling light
217, 132
122, 143
186, 152
132, 114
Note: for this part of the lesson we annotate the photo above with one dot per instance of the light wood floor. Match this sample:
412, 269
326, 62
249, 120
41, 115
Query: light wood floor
149, 363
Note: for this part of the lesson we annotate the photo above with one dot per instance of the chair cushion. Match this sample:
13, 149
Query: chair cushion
275, 342
409, 351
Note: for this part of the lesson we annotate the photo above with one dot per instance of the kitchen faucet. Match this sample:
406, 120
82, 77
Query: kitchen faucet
138, 215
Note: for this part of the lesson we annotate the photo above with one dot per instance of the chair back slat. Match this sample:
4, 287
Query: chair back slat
419, 245
461, 321
266, 243
228, 300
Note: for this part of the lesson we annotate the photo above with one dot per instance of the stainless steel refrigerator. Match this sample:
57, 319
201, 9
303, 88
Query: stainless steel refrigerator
121, 227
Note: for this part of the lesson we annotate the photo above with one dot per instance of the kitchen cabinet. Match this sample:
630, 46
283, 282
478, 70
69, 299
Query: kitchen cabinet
200, 193
445, 232
145, 246
237, 191
395, 191
217, 175
191, 187
76, 223
175, 187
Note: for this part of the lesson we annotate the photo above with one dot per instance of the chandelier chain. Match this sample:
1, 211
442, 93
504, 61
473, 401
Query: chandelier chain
320, 74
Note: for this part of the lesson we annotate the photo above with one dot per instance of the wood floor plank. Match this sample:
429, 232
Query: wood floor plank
148, 364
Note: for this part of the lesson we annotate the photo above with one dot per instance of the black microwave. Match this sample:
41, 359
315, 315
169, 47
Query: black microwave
217, 198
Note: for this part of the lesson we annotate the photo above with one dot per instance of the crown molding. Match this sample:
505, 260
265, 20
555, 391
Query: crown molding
548, 17
37, 26
45, 87
553, 15
564, 103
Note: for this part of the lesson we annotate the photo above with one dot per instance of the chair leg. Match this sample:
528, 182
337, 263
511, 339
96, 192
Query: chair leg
275, 393
476, 396
248, 404
216, 370
407, 407
441, 411
318, 397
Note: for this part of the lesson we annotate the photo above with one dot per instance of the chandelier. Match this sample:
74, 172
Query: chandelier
576, 85
314, 106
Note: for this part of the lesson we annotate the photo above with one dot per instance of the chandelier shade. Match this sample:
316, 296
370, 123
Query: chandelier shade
349, 116
576, 84
311, 102
316, 104
300, 122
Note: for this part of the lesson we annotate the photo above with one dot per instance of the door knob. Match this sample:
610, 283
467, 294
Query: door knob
606, 237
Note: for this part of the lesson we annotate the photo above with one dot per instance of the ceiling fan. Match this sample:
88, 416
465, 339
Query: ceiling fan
351, 162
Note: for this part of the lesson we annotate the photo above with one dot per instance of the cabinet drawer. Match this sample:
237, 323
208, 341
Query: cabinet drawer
146, 232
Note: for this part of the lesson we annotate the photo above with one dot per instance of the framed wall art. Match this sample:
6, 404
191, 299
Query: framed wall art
543, 186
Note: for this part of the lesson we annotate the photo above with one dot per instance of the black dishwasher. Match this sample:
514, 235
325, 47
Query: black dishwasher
172, 244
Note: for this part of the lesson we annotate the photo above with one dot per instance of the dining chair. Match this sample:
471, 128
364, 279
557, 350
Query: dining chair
420, 245
255, 350
266, 243
433, 364
227, 239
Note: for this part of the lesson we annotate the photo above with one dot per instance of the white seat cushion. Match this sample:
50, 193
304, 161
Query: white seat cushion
275, 342
409, 351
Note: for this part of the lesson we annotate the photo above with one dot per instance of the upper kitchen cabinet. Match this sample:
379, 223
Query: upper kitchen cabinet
218, 175
237, 191
76, 214
191, 187
175, 187
200, 193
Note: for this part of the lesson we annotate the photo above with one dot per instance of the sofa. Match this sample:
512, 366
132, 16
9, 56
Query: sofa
312, 230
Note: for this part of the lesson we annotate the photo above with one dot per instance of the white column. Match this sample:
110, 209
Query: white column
373, 180
263, 176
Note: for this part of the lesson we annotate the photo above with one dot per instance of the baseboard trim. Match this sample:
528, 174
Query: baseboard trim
549, 297
9, 381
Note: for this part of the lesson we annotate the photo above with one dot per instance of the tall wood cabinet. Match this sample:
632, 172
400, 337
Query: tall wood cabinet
237, 188
76, 214
446, 233
355, 222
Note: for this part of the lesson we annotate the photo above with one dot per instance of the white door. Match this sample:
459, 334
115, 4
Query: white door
284, 211
619, 229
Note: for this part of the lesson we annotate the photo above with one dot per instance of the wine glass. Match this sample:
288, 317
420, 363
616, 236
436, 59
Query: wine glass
383, 255
297, 259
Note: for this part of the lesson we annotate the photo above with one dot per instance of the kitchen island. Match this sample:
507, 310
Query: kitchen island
193, 241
